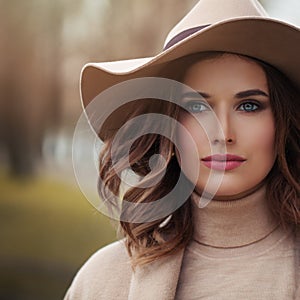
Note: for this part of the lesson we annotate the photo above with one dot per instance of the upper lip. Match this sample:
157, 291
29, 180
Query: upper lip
223, 157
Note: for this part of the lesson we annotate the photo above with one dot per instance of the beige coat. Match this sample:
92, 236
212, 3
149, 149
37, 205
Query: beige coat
107, 275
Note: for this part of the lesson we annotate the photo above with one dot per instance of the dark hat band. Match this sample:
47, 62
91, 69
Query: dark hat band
182, 35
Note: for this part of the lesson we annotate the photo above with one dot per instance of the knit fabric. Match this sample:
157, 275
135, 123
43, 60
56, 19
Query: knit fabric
238, 252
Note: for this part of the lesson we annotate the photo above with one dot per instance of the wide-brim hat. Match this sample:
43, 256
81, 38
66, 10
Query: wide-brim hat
234, 26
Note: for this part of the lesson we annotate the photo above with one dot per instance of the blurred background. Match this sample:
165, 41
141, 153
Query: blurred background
47, 227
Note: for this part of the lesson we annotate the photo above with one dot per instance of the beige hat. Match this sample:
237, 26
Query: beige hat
235, 26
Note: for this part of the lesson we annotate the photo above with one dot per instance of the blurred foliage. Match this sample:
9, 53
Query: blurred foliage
48, 230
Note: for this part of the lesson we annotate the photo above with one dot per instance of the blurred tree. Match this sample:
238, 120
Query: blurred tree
30, 82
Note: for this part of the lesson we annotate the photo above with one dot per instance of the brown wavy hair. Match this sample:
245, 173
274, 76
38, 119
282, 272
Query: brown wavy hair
149, 241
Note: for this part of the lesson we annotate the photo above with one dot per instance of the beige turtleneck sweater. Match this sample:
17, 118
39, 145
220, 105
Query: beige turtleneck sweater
238, 252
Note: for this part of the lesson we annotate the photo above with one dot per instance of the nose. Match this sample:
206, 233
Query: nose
225, 133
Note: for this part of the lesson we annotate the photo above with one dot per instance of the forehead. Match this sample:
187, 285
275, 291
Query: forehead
227, 70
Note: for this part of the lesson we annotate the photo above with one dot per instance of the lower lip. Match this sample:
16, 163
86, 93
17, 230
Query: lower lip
222, 165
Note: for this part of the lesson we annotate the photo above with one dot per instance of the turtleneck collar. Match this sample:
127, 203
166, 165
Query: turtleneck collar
233, 223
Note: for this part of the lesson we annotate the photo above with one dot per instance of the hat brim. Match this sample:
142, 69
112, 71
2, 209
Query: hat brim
273, 41
270, 40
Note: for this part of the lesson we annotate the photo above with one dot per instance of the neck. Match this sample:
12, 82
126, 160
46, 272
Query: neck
238, 221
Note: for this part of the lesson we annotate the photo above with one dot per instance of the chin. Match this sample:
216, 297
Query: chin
231, 185
234, 191
226, 189
229, 191
222, 191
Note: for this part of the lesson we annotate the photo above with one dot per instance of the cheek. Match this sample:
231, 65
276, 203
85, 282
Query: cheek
260, 140
195, 141
193, 144
267, 142
264, 137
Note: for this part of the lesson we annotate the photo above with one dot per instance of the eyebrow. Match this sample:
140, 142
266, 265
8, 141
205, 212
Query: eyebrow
239, 95
248, 93
196, 95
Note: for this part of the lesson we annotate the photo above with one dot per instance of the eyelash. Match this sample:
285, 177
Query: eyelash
189, 105
257, 104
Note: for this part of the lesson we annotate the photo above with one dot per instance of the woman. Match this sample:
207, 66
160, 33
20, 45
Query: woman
243, 243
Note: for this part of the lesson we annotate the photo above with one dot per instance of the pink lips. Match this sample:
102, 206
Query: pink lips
223, 162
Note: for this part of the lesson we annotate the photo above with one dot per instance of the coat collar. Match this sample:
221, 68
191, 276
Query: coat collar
157, 280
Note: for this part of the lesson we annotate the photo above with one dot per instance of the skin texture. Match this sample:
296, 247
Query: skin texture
247, 122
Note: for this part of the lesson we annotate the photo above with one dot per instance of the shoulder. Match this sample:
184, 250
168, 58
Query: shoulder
105, 275
107, 256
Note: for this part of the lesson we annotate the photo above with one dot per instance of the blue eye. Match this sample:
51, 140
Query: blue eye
249, 107
196, 107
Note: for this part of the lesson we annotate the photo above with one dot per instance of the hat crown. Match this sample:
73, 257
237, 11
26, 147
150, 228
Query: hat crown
207, 12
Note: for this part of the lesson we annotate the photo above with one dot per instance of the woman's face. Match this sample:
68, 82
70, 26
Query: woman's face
236, 90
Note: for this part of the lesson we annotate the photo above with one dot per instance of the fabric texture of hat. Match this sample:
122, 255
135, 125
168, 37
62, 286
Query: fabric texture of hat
235, 26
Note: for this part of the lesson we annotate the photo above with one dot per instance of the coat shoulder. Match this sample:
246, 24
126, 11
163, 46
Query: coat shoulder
105, 275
